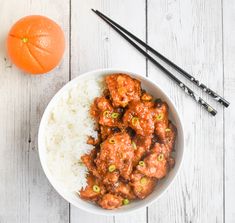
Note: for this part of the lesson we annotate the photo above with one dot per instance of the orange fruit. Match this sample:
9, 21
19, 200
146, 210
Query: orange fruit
36, 44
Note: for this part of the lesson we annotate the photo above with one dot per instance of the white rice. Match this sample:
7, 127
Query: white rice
69, 125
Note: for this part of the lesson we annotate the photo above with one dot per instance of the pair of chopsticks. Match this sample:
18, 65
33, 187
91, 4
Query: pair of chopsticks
124, 33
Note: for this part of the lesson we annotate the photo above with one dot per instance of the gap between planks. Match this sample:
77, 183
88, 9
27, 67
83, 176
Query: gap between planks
222, 37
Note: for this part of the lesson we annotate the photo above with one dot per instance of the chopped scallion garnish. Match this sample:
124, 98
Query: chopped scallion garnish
112, 168
160, 157
115, 115
125, 201
143, 180
111, 141
96, 188
135, 121
106, 114
159, 117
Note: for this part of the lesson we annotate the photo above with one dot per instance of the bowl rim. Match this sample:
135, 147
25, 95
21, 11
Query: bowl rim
52, 181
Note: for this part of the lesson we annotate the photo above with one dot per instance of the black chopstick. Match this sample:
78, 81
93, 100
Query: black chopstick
213, 94
186, 89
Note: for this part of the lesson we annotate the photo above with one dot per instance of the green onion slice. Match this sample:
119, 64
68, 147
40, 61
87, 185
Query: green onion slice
143, 180
141, 163
125, 201
106, 113
159, 117
111, 141
160, 157
115, 115
135, 121
96, 188
112, 168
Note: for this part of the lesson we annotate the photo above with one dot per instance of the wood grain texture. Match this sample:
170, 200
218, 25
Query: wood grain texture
26, 195
197, 35
94, 46
190, 33
229, 118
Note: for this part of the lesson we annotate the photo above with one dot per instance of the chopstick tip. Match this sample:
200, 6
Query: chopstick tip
93, 10
214, 112
227, 104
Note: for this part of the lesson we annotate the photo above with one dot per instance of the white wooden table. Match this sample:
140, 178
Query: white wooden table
198, 35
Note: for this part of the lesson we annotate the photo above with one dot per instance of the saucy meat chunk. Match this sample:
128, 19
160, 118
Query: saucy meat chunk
170, 136
134, 145
111, 178
103, 111
105, 131
100, 104
146, 97
161, 149
88, 161
124, 190
116, 154
110, 201
92, 141
160, 117
141, 145
123, 89
142, 185
94, 189
139, 117
155, 164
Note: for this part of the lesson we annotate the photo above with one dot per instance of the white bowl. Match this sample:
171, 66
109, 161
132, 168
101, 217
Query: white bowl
162, 185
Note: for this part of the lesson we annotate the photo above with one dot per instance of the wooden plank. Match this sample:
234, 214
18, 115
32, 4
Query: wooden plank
95, 45
26, 195
229, 119
189, 33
